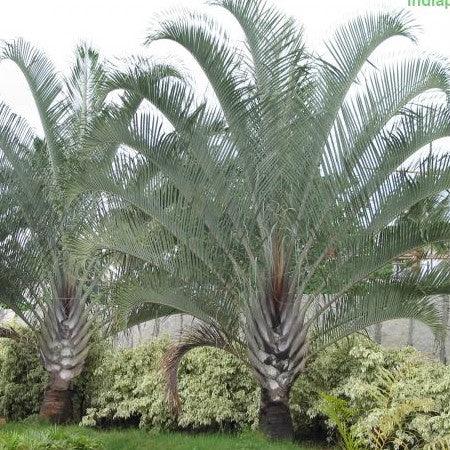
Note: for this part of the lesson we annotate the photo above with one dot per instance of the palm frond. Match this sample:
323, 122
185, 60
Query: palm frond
45, 85
198, 336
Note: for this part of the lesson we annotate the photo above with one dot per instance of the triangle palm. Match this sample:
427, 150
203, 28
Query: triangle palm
41, 280
268, 210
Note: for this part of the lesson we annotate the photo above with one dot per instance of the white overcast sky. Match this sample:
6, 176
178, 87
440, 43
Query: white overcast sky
118, 28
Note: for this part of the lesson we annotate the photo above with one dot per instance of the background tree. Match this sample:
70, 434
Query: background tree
270, 208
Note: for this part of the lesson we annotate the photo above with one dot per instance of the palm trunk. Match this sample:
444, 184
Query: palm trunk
57, 405
275, 419
277, 349
64, 345
276, 368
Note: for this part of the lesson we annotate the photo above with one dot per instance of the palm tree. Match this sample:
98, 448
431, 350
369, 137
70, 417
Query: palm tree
268, 209
51, 290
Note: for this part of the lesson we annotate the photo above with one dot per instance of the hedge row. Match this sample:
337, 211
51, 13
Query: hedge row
397, 397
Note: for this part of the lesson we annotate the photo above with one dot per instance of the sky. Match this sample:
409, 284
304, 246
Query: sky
118, 29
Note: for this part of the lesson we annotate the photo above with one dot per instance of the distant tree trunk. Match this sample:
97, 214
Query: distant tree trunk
57, 406
156, 327
378, 333
445, 316
181, 323
275, 419
411, 328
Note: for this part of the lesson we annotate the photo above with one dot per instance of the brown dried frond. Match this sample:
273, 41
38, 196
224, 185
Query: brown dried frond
202, 335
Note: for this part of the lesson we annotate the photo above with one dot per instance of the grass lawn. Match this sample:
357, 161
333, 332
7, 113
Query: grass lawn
25, 436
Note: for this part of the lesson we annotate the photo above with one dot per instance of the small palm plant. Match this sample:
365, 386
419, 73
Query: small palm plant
40, 279
265, 212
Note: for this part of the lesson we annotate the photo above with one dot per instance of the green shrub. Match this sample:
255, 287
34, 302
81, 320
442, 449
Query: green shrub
323, 374
410, 402
399, 398
22, 377
216, 390
354, 357
129, 389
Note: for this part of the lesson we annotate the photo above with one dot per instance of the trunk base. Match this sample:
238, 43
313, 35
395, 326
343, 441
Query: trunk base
275, 419
57, 406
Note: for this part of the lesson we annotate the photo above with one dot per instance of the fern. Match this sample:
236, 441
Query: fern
339, 413
395, 416
442, 443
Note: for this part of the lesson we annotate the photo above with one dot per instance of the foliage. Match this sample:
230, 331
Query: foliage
339, 414
329, 369
129, 389
383, 396
83, 386
398, 397
22, 377
438, 444
216, 390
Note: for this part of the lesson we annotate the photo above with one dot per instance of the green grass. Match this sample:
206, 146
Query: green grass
132, 439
